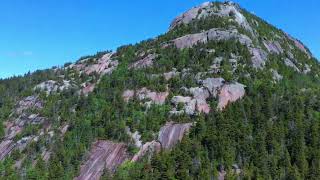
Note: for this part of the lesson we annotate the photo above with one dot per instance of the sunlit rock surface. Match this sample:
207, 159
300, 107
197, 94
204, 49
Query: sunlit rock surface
206, 9
172, 133
230, 93
149, 148
104, 65
103, 155
144, 62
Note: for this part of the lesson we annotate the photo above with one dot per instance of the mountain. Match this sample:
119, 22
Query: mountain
221, 95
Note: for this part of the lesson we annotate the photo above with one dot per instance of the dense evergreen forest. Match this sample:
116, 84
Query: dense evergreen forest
273, 132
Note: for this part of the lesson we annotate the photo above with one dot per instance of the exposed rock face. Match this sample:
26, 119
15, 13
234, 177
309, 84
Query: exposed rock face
148, 148
306, 69
209, 9
299, 45
104, 65
127, 95
289, 63
103, 155
53, 86
142, 94
87, 88
275, 75
144, 62
135, 137
189, 105
6, 147
273, 47
230, 93
171, 134
199, 97
19, 119
214, 34
171, 74
156, 97
213, 85
46, 155
259, 56
29, 103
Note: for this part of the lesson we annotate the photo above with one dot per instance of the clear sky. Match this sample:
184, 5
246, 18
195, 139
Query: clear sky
38, 34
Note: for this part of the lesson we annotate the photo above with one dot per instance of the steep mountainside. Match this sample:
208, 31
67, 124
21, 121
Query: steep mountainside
221, 95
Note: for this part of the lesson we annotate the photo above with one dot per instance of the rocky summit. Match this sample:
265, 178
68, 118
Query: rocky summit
221, 95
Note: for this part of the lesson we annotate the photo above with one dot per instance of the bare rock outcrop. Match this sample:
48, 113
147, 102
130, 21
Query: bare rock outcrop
307, 69
142, 94
299, 45
273, 47
189, 105
127, 95
169, 135
206, 9
104, 65
51, 86
146, 61
213, 85
171, 74
149, 148
6, 146
103, 155
230, 93
172, 133
135, 137
19, 119
215, 34
259, 56
275, 75
210, 87
87, 88
29, 102
289, 63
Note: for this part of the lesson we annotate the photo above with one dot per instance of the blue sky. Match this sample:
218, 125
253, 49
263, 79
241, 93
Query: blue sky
38, 34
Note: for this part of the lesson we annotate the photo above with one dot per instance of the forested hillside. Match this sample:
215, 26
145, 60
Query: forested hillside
221, 95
